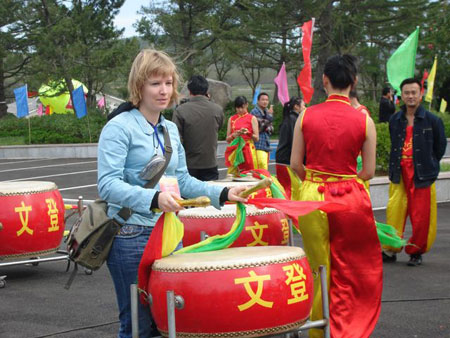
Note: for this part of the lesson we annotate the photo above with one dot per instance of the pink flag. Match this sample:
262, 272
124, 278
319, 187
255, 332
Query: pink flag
101, 103
40, 109
305, 77
282, 84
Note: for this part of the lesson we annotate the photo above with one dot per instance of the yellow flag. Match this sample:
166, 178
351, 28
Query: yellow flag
443, 106
430, 81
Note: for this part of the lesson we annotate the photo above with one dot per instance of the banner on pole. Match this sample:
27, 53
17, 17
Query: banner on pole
430, 81
304, 79
21, 95
257, 91
282, 84
402, 63
79, 102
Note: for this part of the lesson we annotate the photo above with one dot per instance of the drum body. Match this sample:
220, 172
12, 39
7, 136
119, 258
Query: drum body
262, 226
237, 292
32, 215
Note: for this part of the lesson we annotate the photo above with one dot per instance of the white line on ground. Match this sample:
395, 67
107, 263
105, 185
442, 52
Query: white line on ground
47, 166
55, 175
41, 159
78, 187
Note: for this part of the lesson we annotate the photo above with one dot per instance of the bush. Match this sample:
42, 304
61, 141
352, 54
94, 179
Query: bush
56, 128
383, 147
446, 119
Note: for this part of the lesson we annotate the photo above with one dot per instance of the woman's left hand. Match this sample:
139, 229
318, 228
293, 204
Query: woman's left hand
233, 194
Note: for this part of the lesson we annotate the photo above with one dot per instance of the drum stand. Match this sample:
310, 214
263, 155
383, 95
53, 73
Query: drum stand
177, 302
62, 255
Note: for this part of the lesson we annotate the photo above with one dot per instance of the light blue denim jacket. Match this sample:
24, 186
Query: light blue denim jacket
126, 145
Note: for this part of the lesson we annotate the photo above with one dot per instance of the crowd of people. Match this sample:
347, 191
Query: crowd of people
316, 160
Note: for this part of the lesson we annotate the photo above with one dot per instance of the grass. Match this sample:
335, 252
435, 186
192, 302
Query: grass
12, 140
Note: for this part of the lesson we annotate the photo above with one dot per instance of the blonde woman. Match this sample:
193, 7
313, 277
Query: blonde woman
127, 143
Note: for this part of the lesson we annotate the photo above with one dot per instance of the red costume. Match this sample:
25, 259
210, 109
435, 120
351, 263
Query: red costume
238, 122
346, 242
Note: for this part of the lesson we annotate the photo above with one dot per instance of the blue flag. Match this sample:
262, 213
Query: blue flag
257, 91
79, 103
21, 101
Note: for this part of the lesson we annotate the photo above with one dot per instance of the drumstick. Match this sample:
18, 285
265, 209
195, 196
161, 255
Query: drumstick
264, 183
201, 201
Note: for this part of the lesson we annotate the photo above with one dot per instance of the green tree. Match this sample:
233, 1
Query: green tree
14, 47
186, 28
76, 39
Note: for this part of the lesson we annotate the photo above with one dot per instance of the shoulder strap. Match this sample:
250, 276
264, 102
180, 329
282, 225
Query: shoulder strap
125, 213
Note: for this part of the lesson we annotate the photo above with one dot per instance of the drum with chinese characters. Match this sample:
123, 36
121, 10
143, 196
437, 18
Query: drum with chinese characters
236, 292
32, 217
262, 226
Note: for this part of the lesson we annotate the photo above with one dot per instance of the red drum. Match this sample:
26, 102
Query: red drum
262, 226
238, 292
32, 215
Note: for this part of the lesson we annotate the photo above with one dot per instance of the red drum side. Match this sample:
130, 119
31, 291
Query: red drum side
261, 293
262, 227
32, 218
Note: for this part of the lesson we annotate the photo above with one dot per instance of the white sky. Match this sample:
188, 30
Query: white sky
128, 16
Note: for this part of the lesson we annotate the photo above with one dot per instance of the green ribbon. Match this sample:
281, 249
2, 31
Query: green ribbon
388, 236
220, 242
240, 142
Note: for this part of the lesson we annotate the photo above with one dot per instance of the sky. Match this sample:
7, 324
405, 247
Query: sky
128, 16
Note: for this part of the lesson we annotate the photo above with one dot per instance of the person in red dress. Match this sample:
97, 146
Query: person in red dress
331, 135
354, 101
242, 128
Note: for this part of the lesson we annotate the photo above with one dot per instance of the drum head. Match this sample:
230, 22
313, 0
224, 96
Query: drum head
25, 187
228, 259
228, 210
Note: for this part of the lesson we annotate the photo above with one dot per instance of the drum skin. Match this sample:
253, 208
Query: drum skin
236, 292
262, 226
32, 215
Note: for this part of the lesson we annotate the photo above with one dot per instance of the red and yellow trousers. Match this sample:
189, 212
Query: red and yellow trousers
417, 203
347, 244
262, 157
289, 180
250, 158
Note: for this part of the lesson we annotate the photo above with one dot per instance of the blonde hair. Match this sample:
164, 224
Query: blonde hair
150, 62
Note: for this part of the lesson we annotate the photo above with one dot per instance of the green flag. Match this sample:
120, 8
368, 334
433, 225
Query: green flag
402, 63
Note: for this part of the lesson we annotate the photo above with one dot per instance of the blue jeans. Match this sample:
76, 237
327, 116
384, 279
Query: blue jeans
123, 262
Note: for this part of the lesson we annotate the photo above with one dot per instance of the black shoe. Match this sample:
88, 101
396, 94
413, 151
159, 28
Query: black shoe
415, 260
389, 259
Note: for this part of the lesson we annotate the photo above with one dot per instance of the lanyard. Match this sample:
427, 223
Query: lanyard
155, 129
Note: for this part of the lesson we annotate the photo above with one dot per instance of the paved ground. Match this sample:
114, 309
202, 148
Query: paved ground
416, 301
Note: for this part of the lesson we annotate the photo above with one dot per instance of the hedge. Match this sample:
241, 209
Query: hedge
56, 128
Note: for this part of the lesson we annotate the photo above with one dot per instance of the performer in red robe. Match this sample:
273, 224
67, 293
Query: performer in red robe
242, 131
331, 135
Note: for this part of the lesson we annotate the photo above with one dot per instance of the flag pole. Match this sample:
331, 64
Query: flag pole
29, 130
89, 127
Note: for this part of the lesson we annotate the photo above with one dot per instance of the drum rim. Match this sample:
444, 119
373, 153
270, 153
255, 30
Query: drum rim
248, 333
223, 266
258, 212
31, 191
28, 254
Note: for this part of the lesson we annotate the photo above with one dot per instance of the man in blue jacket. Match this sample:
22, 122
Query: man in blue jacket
418, 143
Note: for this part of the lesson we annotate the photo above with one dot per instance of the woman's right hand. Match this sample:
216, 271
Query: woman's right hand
167, 202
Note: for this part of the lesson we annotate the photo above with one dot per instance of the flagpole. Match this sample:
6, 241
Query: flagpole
89, 128
29, 130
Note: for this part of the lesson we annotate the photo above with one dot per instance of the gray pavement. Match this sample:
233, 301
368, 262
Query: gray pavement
416, 300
